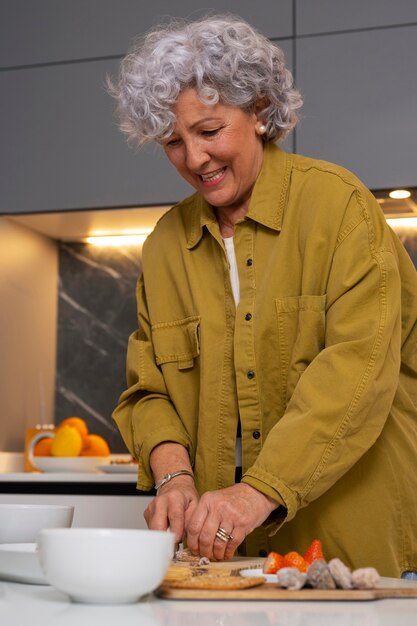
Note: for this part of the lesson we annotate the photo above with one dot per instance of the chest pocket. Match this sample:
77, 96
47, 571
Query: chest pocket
177, 342
301, 335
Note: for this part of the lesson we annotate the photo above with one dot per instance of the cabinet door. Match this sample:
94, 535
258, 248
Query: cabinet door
328, 16
360, 106
47, 31
61, 148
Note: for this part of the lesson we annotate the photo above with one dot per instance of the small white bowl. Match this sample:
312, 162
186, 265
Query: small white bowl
105, 566
21, 523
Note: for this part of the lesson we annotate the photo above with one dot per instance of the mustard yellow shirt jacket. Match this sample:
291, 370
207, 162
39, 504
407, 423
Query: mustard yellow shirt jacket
319, 361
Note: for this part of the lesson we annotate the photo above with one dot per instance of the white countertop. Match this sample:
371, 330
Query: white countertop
73, 477
36, 605
12, 464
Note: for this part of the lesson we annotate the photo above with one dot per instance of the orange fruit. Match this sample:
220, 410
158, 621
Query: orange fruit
75, 422
43, 447
67, 442
94, 445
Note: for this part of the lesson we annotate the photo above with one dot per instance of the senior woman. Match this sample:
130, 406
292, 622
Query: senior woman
277, 320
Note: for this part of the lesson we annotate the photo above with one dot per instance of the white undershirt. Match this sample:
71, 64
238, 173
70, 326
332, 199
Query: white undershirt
234, 276
234, 279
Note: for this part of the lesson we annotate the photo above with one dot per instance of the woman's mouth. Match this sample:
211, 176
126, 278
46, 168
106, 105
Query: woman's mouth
212, 178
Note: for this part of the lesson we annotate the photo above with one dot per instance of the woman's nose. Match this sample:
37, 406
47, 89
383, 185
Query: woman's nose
196, 156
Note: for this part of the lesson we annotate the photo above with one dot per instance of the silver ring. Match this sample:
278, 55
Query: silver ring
223, 535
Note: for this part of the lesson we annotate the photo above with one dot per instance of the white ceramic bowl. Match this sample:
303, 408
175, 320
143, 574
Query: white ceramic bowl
19, 562
21, 523
105, 566
69, 464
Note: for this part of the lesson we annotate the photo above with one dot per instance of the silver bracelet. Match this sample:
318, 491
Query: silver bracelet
165, 479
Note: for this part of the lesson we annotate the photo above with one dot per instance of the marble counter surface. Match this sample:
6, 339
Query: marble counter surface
36, 605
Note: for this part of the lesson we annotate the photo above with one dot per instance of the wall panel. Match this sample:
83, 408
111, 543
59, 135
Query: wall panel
28, 314
361, 103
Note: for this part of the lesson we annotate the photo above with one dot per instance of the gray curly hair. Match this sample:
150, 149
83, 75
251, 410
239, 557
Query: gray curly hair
222, 57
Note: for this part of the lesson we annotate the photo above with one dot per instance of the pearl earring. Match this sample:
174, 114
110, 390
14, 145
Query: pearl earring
262, 129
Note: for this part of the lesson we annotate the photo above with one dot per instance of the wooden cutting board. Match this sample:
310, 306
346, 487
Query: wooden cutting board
387, 588
231, 565
269, 591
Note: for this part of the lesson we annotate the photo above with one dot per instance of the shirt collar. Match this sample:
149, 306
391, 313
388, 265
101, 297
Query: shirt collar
269, 194
267, 201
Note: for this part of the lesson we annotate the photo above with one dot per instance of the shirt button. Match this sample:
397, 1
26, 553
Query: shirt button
256, 434
250, 374
249, 261
248, 317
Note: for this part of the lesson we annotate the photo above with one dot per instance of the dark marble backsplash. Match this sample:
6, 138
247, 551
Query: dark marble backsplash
96, 314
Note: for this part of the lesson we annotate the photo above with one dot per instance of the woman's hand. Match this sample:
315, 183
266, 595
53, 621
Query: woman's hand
237, 510
174, 501
176, 497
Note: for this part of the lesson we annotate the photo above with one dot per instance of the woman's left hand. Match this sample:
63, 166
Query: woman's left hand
237, 510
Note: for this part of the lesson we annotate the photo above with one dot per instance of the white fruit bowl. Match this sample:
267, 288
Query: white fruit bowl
61, 464
105, 566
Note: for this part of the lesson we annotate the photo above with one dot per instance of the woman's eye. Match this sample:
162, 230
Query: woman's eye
210, 132
172, 142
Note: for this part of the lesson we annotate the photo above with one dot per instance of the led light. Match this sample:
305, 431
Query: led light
399, 194
403, 222
135, 239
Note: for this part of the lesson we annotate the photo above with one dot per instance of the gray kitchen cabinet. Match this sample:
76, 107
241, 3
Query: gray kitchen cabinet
326, 16
61, 148
50, 31
360, 106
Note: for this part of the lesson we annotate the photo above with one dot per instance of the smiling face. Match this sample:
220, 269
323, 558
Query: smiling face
217, 149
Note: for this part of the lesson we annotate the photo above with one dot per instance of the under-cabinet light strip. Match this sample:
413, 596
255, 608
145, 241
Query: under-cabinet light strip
117, 240
135, 239
402, 222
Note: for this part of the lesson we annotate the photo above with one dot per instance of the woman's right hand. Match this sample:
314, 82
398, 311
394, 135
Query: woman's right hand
168, 510
178, 498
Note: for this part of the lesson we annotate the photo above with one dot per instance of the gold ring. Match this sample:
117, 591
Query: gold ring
223, 535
